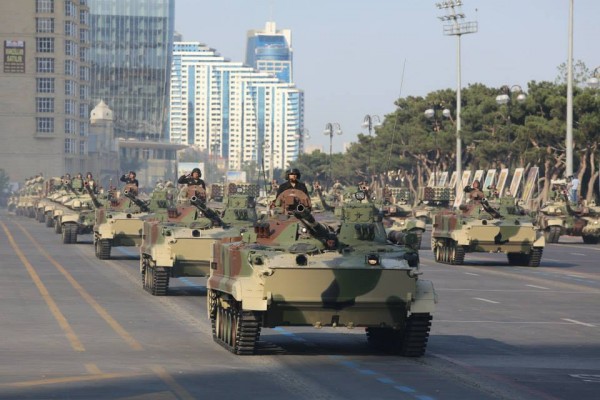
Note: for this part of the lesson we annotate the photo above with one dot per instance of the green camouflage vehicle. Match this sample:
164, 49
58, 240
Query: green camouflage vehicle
503, 227
79, 219
182, 244
294, 271
398, 211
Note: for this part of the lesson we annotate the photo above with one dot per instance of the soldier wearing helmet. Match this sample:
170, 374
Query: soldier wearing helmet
192, 178
292, 181
130, 179
475, 192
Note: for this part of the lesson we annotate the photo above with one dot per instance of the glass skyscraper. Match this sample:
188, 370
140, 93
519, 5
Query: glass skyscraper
232, 110
131, 48
270, 51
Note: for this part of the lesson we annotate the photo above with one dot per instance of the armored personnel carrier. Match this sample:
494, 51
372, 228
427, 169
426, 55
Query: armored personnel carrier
294, 271
553, 217
431, 200
123, 225
182, 244
502, 227
398, 211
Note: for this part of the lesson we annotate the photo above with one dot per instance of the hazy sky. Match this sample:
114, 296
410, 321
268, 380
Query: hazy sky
349, 54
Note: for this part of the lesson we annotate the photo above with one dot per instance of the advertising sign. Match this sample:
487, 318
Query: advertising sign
516, 181
14, 56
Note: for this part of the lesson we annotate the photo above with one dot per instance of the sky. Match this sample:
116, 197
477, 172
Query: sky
356, 57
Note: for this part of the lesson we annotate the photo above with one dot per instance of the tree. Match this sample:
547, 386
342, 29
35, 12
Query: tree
581, 73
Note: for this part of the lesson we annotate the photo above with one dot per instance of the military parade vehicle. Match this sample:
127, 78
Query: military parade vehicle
553, 217
122, 226
431, 200
397, 209
292, 270
182, 244
499, 227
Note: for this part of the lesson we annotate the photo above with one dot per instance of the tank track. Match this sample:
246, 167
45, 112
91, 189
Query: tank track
411, 342
154, 280
57, 227
41, 217
103, 247
552, 234
535, 257
590, 239
69, 233
49, 221
448, 254
235, 329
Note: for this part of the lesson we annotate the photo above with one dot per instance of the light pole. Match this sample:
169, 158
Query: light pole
569, 138
594, 80
456, 28
430, 115
369, 122
330, 129
508, 97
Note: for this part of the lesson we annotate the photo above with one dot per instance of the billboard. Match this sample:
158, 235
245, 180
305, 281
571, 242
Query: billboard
236, 176
14, 56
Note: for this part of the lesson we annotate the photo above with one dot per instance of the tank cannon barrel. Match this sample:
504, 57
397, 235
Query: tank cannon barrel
95, 200
207, 211
319, 230
489, 209
140, 203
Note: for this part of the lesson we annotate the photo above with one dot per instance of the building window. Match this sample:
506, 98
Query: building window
71, 29
83, 111
83, 16
82, 147
70, 68
84, 35
70, 146
83, 129
44, 45
44, 65
70, 125
70, 88
44, 6
45, 85
44, 104
70, 107
70, 10
84, 92
71, 48
84, 54
45, 125
44, 25
84, 74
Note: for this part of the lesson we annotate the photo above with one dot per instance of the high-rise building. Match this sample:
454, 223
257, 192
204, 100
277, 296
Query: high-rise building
130, 58
270, 50
45, 80
232, 110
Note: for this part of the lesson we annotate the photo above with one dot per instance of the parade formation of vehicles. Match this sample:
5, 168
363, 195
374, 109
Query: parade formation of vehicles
343, 259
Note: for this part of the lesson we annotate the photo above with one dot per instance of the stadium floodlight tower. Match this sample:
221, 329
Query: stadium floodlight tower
455, 26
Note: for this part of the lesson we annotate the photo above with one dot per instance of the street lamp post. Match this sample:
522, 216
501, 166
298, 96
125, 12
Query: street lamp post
594, 80
330, 129
508, 97
369, 122
430, 115
457, 28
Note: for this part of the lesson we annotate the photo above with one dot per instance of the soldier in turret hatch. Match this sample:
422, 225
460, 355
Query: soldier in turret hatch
474, 191
292, 177
130, 179
192, 178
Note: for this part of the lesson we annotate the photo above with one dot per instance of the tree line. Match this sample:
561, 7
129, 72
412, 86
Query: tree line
408, 147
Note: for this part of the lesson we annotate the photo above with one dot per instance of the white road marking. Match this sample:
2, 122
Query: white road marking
538, 287
470, 273
486, 300
577, 254
576, 276
578, 322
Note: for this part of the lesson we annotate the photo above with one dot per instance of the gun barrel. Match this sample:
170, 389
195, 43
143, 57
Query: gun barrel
208, 212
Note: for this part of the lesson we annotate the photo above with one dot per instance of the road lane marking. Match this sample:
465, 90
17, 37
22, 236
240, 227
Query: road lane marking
577, 254
93, 369
70, 379
470, 273
578, 322
538, 287
58, 315
126, 336
168, 379
486, 300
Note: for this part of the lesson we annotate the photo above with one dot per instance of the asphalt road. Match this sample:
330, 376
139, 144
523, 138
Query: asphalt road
75, 327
